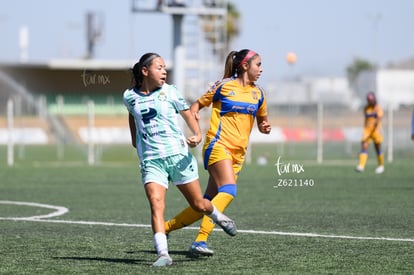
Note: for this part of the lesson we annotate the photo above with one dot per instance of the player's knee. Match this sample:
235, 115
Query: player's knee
157, 205
201, 205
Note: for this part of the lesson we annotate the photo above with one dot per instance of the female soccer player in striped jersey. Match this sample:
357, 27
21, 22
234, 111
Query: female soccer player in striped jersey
162, 148
237, 102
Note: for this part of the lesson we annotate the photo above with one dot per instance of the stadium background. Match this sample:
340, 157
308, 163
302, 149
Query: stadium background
77, 103
70, 106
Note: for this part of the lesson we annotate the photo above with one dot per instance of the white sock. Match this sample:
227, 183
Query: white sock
161, 245
216, 215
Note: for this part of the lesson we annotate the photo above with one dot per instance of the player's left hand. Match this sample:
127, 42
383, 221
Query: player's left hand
265, 127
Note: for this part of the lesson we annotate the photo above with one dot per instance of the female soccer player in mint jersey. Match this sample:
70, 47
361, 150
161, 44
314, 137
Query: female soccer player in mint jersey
162, 148
236, 103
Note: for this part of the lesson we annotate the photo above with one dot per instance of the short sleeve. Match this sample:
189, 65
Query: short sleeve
180, 104
262, 111
128, 100
207, 98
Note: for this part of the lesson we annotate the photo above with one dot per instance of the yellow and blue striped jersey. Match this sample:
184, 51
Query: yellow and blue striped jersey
233, 112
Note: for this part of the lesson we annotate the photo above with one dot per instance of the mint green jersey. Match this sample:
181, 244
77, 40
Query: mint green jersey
156, 118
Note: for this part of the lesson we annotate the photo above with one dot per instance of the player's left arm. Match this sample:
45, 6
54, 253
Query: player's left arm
261, 116
380, 114
263, 124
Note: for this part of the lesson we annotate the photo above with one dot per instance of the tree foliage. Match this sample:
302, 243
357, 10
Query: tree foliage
217, 32
356, 67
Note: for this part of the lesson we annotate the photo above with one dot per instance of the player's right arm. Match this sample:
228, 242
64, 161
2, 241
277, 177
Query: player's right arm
204, 101
133, 130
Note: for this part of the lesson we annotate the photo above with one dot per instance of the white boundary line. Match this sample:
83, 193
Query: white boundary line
60, 210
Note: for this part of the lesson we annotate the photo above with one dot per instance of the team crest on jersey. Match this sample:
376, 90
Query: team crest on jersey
255, 95
162, 96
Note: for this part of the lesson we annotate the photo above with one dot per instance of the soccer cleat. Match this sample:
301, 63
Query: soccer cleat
200, 249
359, 169
227, 225
379, 169
163, 260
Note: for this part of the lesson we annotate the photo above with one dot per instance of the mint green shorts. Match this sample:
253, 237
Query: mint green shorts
178, 169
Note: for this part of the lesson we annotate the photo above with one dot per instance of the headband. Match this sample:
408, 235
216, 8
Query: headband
249, 55
149, 59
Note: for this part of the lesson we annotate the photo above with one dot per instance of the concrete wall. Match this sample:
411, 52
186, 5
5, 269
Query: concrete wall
392, 87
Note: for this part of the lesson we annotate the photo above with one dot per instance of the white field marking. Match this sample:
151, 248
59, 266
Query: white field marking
60, 210
63, 210
314, 235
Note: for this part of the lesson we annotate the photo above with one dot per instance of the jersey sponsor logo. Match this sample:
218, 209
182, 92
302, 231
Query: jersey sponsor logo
232, 93
145, 135
374, 115
251, 109
237, 108
145, 100
148, 114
